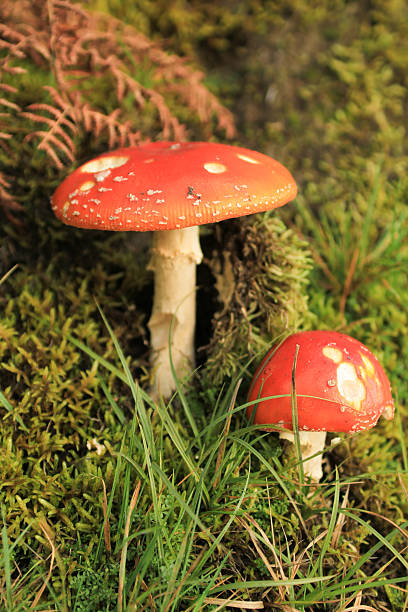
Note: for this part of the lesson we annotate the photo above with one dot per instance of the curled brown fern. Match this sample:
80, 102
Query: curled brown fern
81, 51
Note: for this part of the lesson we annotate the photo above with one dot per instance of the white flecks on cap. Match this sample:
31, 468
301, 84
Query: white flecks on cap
102, 189
248, 159
120, 179
153, 191
214, 167
104, 163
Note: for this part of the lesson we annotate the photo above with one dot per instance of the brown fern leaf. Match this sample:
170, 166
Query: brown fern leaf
6, 118
9, 104
176, 73
7, 202
11, 39
58, 139
79, 48
119, 133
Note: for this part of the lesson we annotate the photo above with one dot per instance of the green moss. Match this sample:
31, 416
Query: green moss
54, 388
261, 269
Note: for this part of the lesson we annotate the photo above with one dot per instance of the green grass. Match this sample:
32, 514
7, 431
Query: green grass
195, 520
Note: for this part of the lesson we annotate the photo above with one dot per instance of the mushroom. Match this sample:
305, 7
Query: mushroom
340, 386
170, 188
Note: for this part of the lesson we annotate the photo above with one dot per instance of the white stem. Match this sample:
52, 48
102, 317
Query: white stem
311, 442
175, 255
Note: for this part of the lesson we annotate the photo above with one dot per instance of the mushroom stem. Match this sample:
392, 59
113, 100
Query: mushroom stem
175, 255
311, 442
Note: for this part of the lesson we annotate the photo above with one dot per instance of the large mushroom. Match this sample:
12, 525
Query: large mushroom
340, 386
170, 189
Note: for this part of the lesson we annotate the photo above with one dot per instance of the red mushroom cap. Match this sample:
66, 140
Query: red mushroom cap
346, 386
166, 185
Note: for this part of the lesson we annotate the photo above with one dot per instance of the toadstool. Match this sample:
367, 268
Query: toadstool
340, 387
170, 188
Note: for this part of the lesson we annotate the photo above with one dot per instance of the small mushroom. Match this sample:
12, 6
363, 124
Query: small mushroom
170, 189
340, 387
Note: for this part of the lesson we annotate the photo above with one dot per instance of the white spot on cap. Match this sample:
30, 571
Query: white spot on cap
214, 167
101, 176
248, 159
104, 163
369, 368
333, 353
388, 412
65, 209
350, 386
87, 186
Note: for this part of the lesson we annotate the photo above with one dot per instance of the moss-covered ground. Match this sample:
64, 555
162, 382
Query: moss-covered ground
111, 502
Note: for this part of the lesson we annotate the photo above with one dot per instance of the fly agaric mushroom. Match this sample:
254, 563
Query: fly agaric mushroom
340, 387
170, 189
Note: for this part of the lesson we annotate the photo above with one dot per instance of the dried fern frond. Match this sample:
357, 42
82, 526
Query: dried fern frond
108, 84
7, 201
